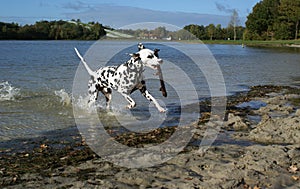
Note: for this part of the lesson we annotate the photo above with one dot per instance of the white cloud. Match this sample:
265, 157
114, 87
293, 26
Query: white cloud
76, 6
223, 8
119, 16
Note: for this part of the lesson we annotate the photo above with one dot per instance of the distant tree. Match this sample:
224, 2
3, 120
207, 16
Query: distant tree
160, 32
8, 30
289, 11
282, 30
260, 22
211, 29
196, 30
27, 32
97, 31
56, 30
184, 34
42, 29
271, 19
234, 22
219, 34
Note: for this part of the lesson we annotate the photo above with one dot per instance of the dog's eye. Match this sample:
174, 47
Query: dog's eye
150, 56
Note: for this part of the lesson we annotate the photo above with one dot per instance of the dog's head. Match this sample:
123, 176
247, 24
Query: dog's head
149, 57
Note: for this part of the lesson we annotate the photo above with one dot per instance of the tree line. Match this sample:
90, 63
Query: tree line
212, 32
52, 30
269, 20
189, 32
274, 19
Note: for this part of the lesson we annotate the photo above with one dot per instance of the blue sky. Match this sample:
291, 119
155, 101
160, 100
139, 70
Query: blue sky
118, 13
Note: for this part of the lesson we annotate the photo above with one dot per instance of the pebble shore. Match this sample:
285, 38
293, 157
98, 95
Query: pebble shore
258, 146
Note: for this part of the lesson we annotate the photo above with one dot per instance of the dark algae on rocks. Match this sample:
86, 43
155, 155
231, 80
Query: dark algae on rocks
268, 159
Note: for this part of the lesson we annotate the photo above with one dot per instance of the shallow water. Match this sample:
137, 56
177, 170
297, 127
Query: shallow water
36, 80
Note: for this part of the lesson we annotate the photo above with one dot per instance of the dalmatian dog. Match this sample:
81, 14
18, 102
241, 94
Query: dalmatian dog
125, 78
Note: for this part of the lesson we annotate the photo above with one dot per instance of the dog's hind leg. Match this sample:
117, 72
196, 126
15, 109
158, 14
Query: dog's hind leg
149, 97
107, 93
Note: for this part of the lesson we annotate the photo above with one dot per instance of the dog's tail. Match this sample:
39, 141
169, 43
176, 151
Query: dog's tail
91, 72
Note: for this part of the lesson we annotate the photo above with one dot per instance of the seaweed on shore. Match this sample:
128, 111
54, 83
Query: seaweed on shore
50, 153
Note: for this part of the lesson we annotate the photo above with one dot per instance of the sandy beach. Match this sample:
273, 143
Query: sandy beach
258, 147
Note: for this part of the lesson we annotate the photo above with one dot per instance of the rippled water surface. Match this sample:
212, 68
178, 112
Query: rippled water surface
36, 79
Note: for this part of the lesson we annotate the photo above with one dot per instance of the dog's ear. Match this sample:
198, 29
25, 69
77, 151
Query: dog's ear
135, 55
156, 52
141, 46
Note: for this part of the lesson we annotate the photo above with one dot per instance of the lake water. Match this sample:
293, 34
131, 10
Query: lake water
36, 78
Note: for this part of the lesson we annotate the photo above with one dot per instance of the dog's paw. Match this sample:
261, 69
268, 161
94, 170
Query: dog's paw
128, 107
162, 110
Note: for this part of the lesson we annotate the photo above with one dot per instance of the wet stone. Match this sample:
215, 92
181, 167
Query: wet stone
269, 160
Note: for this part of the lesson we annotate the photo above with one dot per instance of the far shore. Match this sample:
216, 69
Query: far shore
253, 43
273, 43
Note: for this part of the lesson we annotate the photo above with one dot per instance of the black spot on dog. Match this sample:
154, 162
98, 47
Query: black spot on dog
99, 88
134, 89
127, 80
102, 73
129, 100
150, 56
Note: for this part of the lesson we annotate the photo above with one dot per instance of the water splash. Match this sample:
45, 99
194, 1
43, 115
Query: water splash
8, 92
65, 98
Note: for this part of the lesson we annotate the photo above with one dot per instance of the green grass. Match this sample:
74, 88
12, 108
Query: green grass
275, 43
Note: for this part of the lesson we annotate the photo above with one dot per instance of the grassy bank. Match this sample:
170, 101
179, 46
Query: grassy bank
274, 43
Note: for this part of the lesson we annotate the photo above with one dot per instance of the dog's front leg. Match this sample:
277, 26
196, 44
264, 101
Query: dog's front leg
93, 92
149, 97
132, 104
92, 98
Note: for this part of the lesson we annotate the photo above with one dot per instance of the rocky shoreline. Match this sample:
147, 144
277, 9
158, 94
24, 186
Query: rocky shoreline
258, 147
